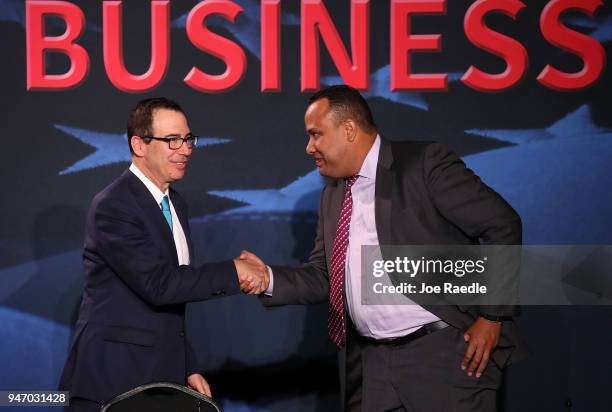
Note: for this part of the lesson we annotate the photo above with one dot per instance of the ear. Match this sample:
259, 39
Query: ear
350, 130
137, 146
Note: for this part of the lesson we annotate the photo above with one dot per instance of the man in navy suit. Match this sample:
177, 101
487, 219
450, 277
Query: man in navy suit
137, 258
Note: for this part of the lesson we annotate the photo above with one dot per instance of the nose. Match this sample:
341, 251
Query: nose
310, 149
185, 150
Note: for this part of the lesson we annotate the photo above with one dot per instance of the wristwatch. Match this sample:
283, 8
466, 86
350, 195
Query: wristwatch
495, 318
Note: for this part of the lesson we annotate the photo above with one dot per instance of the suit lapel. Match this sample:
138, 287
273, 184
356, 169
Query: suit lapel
384, 186
153, 212
336, 196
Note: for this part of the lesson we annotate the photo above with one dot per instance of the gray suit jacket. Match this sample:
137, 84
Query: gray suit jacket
425, 195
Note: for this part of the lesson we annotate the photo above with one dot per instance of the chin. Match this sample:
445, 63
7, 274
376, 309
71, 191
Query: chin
326, 173
177, 175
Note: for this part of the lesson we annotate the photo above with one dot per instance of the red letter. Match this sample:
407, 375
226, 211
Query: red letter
402, 43
37, 43
315, 17
588, 49
505, 47
270, 46
207, 41
113, 47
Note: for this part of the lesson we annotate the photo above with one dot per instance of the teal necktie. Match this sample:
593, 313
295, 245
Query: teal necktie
165, 207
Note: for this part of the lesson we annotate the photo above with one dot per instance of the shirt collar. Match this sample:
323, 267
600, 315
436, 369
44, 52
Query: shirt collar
368, 168
158, 195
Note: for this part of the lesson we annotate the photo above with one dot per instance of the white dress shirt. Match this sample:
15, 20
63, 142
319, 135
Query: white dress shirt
180, 241
379, 321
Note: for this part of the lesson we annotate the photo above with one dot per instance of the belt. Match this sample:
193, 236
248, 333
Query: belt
419, 333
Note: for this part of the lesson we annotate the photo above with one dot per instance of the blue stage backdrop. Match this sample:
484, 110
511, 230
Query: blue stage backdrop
251, 186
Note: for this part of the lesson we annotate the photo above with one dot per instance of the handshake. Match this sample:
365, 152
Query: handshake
253, 273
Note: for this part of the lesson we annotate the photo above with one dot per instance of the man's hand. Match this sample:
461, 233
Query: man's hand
482, 338
252, 273
198, 383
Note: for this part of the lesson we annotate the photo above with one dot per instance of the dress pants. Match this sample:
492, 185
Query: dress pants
422, 375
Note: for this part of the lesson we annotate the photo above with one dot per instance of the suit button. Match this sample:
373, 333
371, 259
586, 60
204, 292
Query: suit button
182, 334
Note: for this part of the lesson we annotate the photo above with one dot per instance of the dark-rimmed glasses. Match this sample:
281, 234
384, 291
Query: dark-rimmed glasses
175, 142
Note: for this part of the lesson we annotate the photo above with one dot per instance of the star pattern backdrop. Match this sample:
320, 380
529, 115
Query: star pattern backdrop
251, 186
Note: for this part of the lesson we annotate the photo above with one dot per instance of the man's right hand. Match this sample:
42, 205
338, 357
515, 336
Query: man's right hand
252, 273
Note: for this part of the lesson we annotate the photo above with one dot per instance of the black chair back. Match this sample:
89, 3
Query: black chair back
161, 397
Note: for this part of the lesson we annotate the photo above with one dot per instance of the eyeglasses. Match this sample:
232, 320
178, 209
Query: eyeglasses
175, 142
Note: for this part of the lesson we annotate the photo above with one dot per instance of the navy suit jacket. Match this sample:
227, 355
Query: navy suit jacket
131, 325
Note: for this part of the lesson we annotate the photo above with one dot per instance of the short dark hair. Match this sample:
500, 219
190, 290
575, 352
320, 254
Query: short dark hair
346, 102
140, 120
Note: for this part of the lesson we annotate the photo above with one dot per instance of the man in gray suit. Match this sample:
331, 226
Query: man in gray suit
398, 357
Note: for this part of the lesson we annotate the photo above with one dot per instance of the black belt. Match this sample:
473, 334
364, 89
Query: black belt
419, 333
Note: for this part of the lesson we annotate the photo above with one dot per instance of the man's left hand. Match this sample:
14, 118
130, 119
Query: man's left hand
482, 338
198, 383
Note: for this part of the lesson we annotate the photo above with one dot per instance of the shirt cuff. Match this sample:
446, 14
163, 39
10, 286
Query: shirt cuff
268, 292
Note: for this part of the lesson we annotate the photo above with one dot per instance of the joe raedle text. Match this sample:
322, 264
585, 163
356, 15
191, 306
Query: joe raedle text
423, 288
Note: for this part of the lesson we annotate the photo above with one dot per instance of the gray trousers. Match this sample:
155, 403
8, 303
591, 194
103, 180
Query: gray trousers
423, 375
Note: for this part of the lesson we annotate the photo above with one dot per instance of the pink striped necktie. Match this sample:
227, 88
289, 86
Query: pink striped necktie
336, 325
